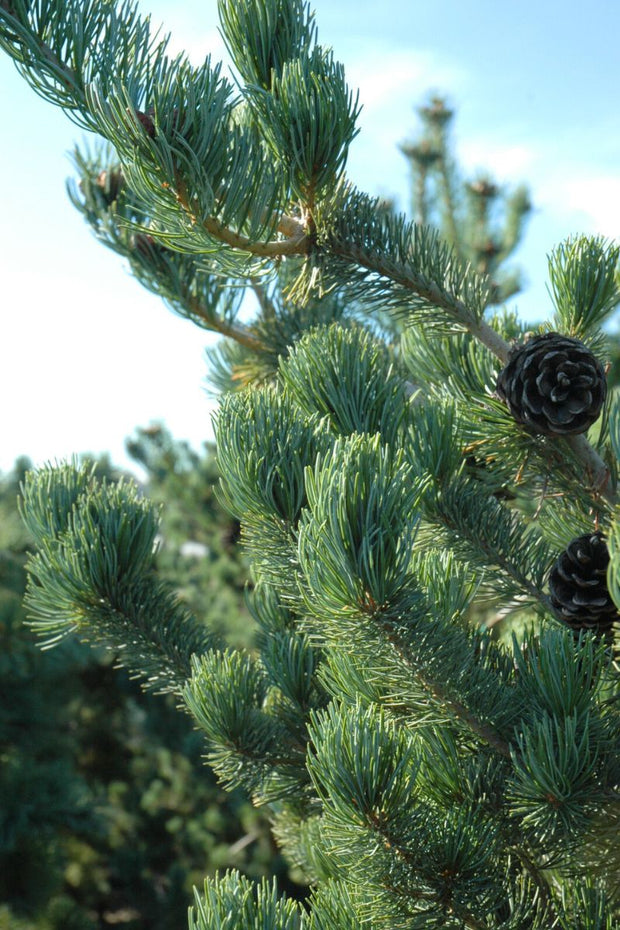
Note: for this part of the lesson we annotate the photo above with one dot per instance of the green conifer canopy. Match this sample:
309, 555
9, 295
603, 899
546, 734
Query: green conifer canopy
437, 748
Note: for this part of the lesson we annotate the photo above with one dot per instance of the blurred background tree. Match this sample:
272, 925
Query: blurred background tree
482, 220
109, 815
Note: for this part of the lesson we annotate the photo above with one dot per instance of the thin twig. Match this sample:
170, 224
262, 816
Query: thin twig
265, 302
404, 855
240, 334
276, 248
535, 874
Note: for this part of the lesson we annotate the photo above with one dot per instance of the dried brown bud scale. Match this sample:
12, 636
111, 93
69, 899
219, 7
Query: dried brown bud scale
111, 183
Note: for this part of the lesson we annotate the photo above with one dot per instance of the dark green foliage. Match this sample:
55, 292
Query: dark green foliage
266, 443
262, 39
108, 813
326, 361
232, 901
584, 284
363, 500
311, 115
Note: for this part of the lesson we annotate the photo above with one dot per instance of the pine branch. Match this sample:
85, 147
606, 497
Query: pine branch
411, 258
93, 575
265, 301
380, 828
585, 285
52, 44
433, 295
111, 209
296, 243
491, 537
238, 333
440, 693
249, 745
355, 543
231, 900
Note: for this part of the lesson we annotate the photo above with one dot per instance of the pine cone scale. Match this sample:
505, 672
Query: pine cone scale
558, 394
561, 415
532, 398
580, 600
544, 383
578, 404
574, 581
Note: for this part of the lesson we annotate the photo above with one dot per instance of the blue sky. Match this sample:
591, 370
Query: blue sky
86, 355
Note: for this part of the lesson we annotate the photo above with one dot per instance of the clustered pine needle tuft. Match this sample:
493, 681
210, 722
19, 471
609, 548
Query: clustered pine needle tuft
429, 513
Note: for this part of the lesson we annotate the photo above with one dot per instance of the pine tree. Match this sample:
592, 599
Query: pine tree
423, 768
483, 222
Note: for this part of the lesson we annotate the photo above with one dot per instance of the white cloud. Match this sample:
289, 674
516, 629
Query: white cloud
594, 199
392, 84
197, 47
578, 195
386, 78
512, 162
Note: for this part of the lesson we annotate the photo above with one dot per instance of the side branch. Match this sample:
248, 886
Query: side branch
238, 333
482, 730
597, 469
402, 853
406, 276
298, 244
68, 78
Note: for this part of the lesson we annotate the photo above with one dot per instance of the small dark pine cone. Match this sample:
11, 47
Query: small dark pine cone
146, 121
149, 248
578, 585
553, 385
145, 244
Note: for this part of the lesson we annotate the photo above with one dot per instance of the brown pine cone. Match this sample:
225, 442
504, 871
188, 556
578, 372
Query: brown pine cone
553, 385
